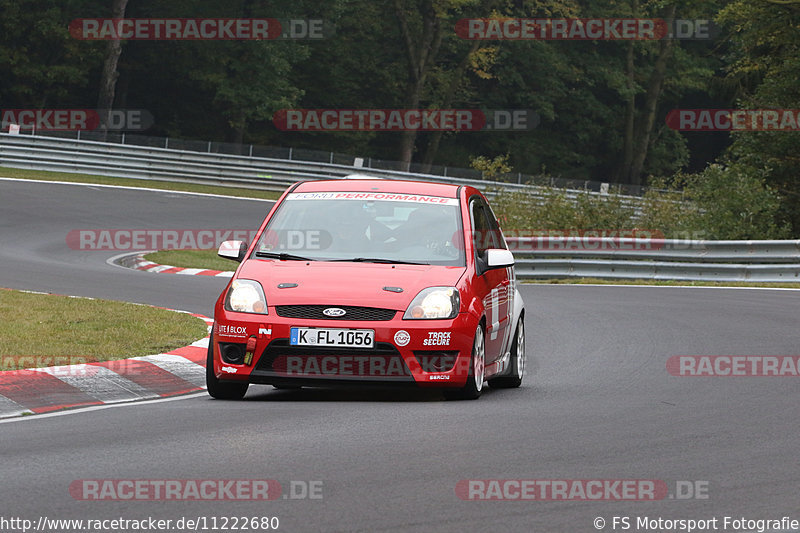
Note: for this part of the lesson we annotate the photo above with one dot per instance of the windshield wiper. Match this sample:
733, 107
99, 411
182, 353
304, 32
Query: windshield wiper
284, 256
380, 260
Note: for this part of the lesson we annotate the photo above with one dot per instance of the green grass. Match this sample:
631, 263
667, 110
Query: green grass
665, 283
38, 330
207, 259
6, 172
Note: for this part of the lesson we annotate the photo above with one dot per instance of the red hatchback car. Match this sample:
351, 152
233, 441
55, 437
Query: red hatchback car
371, 281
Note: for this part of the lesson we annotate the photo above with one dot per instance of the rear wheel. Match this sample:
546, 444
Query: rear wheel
221, 390
517, 369
472, 389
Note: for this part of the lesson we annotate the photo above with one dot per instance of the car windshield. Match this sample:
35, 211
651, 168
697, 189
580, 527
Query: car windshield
366, 227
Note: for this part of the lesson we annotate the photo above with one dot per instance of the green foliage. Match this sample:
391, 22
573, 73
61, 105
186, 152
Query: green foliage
763, 66
554, 210
585, 93
719, 203
491, 168
735, 202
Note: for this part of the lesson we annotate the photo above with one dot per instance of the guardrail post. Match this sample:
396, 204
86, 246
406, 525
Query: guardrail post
251, 150
166, 142
123, 138
290, 153
445, 172
331, 158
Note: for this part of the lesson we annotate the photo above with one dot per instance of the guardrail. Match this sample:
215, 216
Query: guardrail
309, 155
656, 259
164, 164
768, 261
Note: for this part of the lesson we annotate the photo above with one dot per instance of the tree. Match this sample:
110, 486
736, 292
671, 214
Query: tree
108, 79
763, 66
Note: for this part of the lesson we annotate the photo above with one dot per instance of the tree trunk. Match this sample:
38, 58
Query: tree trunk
420, 59
108, 80
447, 101
624, 170
630, 115
652, 97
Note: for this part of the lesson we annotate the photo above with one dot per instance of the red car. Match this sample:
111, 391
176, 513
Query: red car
371, 281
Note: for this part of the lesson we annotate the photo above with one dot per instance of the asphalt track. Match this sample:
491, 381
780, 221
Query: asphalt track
598, 403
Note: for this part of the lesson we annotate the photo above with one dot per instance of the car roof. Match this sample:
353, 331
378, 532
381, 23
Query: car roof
445, 190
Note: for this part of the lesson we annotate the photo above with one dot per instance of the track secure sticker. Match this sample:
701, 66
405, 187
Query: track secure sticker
437, 338
401, 338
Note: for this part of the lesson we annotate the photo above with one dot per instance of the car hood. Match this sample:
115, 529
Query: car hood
327, 283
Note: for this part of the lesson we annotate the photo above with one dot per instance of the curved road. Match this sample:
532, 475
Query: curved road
599, 403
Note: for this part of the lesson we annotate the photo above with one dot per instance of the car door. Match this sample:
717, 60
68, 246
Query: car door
493, 285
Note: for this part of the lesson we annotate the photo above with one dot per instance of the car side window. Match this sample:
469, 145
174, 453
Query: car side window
495, 228
483, 235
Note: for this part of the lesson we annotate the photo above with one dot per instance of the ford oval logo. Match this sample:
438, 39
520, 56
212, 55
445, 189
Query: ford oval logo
334, 311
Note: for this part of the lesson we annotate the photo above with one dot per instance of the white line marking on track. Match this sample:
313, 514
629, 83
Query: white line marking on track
92, 185
104, 406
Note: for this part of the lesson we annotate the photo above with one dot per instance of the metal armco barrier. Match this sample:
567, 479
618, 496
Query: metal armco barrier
621, 258
656, 259
163, 164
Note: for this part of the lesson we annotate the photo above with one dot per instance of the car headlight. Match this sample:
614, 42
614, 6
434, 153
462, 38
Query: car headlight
434, 302
246, 296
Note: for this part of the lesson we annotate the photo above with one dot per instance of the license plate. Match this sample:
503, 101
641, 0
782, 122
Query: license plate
346, 338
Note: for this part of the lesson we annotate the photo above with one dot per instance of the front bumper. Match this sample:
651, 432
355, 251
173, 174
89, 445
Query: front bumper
428, 353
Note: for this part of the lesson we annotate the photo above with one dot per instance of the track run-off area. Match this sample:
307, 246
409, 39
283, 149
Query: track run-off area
599, 412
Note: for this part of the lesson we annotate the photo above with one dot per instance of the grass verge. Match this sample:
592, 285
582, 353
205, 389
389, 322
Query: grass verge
39, 330
665, 283
130, 182
206, 259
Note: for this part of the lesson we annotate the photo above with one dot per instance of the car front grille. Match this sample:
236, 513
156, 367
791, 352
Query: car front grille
382, 362
352, 312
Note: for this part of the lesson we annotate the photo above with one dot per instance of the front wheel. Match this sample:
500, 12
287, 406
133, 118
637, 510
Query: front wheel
472, 389
221, 390
517, 369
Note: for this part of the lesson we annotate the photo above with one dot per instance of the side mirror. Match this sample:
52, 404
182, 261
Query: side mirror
498, 258
235, 250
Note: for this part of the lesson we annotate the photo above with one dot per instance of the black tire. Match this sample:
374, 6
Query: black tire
221, 390
516, 370
472, 389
